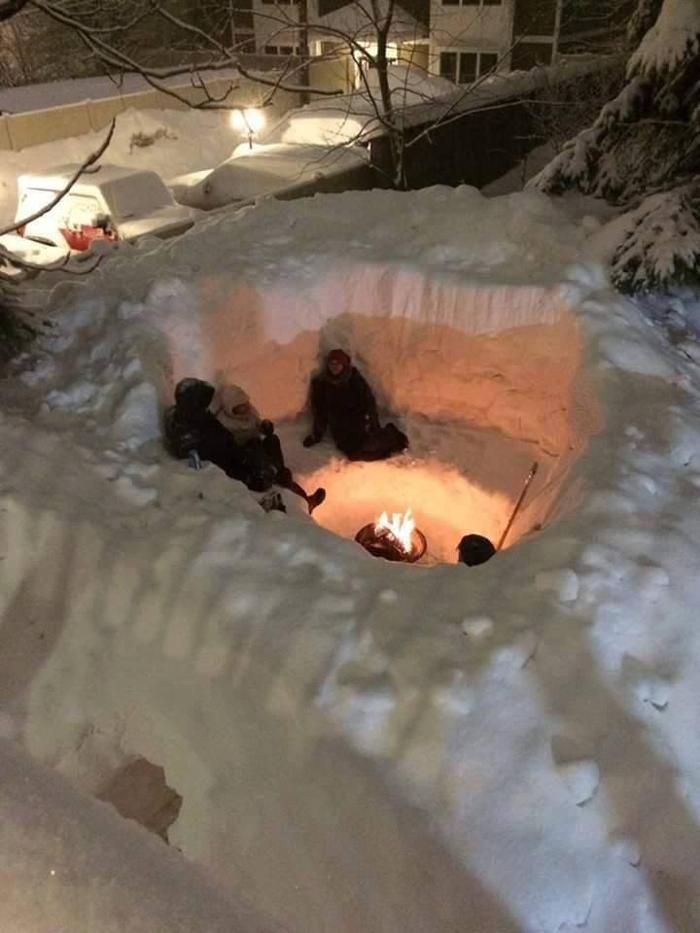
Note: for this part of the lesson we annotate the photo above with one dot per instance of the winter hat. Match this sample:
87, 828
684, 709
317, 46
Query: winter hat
339, 356
243, 425
229, 397
475, 550
193, 396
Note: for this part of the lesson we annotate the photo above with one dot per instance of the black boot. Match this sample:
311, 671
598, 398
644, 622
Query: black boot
316, 498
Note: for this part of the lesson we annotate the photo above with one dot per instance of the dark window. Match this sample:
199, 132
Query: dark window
487, 63
492, 2
450, 2
527, 55
534, 17
448, 66
286, 50
467, 67
270, 50
330, 6
243, 19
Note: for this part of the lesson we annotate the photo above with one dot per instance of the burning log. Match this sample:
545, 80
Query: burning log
395, 539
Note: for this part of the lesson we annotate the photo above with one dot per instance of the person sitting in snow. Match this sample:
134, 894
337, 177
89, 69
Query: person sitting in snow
224, 428
342, 401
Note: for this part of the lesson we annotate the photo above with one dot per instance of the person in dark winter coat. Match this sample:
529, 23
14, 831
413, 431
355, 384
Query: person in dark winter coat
343, 403
198, 423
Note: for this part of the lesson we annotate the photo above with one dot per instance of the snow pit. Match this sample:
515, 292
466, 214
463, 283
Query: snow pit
485, 380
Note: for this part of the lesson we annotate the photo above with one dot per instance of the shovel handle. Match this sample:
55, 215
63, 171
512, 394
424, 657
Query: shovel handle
530, 477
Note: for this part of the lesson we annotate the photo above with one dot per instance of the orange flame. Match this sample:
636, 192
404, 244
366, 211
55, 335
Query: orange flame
400, 526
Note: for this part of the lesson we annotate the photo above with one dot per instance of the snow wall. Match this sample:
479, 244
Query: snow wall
507, 359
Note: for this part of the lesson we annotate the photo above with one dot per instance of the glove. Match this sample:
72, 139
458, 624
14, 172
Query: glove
310, 440
267, 428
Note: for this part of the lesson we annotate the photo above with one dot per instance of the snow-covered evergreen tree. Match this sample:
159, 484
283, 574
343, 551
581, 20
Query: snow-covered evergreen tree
643, 151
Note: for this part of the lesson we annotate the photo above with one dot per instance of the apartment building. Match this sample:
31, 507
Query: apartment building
461, 40
470, 38
331, 24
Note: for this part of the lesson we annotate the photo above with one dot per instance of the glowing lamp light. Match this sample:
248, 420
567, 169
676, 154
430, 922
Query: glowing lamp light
250, 121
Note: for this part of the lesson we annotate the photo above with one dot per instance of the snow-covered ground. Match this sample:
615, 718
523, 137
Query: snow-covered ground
358, 745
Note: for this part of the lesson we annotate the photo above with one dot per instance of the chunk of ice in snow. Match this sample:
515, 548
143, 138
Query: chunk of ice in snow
477, 627
655, 691
456, 698
627, 849
564, 583
581, 779
515, 656
136, 495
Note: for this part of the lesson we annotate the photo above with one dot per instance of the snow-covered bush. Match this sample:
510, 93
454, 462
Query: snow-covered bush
646, 141
662, 242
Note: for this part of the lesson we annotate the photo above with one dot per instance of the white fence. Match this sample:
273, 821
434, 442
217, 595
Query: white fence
21, 130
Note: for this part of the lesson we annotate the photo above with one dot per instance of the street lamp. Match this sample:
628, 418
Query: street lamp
248, 120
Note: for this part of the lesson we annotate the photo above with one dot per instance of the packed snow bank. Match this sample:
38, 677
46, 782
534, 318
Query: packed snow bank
358, 745
59, 852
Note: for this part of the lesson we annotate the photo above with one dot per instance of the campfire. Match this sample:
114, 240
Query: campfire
395, 538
